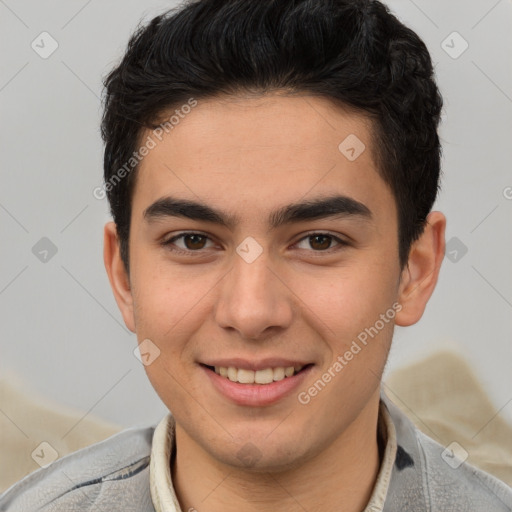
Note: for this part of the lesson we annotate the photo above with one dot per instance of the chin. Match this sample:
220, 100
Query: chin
264, 456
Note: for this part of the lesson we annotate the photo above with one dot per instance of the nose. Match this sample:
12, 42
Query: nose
254, 299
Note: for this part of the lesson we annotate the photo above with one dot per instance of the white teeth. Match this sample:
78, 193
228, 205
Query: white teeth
266, 376
246, 376
279, 373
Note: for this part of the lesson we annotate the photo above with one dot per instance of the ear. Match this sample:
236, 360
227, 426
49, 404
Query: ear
117, 275
419, 277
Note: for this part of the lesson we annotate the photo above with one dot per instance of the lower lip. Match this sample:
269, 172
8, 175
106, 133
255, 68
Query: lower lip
256, 395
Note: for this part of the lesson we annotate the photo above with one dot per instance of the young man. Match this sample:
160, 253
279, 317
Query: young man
271, 168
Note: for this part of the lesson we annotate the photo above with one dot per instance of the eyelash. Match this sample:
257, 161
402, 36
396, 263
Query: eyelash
168, 243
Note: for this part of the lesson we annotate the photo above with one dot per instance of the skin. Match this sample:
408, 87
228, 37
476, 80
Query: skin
248, 156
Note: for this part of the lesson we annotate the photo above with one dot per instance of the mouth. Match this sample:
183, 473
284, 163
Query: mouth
263, 377
263, 385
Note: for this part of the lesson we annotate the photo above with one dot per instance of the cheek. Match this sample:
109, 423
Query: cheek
343, 301
173, 388
169, 309
164, 298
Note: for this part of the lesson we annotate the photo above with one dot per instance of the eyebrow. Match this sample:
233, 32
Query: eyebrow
337, 206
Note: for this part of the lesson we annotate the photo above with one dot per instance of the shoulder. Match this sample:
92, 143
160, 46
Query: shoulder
447, 475
433, 478
110, 475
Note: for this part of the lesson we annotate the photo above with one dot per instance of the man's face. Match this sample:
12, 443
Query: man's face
266, 292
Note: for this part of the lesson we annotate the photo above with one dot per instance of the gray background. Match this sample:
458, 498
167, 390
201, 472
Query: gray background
61, 332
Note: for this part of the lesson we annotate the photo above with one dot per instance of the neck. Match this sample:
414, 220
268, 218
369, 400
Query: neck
341, 477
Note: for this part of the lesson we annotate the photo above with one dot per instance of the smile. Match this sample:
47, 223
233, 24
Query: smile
262, 385
265, 376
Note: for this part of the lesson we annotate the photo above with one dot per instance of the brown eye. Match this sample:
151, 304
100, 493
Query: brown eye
320, 242
187, 243
194, 241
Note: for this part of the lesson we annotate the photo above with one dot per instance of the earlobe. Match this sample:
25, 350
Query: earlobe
117, 275
419, 277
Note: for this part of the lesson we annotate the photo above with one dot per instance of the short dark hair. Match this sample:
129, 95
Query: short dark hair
352, 52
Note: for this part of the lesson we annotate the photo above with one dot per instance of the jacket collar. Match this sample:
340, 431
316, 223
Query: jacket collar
163, 446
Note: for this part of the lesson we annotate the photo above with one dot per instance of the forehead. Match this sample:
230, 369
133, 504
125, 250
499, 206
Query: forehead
255, 152
269, 122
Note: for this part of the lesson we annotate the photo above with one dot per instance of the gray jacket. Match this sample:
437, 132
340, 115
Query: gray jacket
114, 476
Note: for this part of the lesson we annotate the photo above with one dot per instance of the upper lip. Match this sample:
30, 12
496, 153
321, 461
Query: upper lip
262, 364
